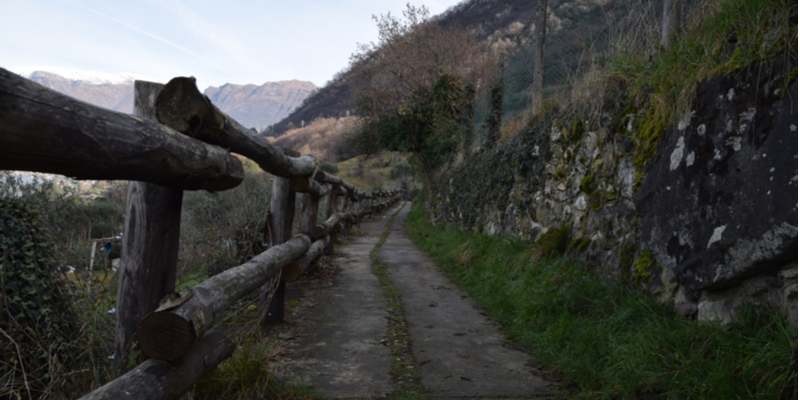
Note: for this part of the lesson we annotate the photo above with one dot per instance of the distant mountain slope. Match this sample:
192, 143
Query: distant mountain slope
251, 105
335, 100
487, 17
260, 106
503, 23
114, 96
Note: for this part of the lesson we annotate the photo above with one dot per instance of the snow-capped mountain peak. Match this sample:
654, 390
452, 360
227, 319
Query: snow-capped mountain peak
88, 77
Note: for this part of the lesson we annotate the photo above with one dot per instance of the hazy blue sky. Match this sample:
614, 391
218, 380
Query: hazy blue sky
215, 41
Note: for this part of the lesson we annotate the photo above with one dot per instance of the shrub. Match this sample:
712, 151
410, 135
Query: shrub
329, 167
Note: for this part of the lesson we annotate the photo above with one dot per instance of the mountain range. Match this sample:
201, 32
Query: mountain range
251, 105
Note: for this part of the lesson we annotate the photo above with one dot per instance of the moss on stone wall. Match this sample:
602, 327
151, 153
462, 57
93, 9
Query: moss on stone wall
649, 130
642, 268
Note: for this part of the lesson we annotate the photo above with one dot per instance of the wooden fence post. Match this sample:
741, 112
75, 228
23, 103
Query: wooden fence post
308, 213
280, 224
330, 209
149, 246
308, 216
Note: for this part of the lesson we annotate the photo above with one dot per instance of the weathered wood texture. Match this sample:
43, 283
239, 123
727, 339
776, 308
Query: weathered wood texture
149, 258
280, 222
308, 214
170, 331
157, 379
325, 227
324, 177
45, 131
330, 209
182, 107
304, 184
304, 264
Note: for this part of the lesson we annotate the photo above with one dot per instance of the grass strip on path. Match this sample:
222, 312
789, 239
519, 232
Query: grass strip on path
608, 340
404, 370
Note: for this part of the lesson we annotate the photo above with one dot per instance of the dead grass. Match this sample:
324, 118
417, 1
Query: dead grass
321, 138
372, 172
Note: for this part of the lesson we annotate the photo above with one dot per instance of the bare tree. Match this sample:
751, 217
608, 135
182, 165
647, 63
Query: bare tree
671, 23
538, 54
410, 55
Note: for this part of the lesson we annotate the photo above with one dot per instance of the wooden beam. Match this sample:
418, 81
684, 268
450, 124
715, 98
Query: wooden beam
308, 214
45, 131
170, 331
281, 219
182, 107
149, 258
158, 379
330, 210
339, 190
303, 264
304, 184
324, 177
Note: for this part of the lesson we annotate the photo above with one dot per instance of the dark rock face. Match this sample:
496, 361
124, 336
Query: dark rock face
719, 201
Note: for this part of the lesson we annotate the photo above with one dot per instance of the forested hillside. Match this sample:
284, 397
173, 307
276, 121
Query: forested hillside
502, 24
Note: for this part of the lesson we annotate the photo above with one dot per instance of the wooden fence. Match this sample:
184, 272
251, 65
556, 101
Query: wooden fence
175, 141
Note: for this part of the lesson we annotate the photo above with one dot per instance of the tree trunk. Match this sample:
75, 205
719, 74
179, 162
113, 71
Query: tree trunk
170, 331
45, 131
157, 379
538, 55
182, 107
149, 258
670, 23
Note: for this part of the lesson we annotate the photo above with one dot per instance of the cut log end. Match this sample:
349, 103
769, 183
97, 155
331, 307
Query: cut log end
291, 272
165, 336
299, 183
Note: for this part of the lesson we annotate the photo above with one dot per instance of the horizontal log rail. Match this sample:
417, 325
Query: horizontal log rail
158, 379
301, 265
188, 148
42, 130
170, 331
305, 184
181, 337
181, 106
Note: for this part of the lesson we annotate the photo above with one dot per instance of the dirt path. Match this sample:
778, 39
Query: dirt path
340, 337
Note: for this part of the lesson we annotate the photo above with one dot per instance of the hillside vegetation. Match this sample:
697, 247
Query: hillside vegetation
502, 25
600, 327
328, 139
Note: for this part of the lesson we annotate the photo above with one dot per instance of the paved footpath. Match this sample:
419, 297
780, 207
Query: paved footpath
460, 354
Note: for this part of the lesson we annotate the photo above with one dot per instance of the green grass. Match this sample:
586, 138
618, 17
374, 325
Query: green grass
249, 373
609, 341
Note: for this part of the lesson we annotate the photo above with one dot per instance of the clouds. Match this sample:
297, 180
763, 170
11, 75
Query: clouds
231, 42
